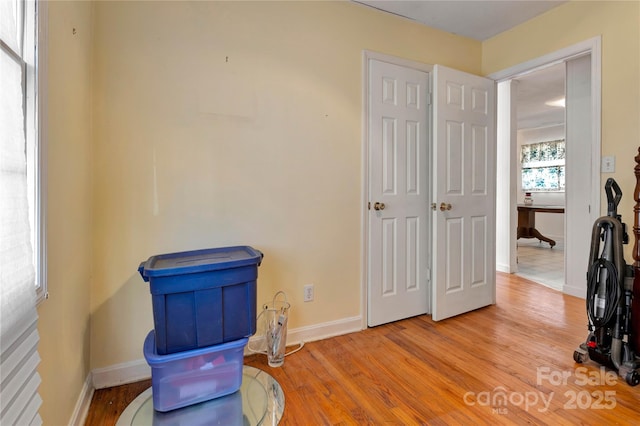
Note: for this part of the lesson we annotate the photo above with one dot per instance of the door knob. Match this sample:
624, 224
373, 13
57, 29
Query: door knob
378, 206
445, 206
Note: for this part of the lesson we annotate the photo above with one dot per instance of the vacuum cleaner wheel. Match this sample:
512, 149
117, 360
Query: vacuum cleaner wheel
580, 356
632, 378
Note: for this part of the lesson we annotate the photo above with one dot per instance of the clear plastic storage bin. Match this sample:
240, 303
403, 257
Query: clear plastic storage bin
190, 377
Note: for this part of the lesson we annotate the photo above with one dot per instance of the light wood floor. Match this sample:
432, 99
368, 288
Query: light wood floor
510, 363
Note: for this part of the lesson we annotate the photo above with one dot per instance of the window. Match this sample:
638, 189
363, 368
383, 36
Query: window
22, 32
21, 227
543, 166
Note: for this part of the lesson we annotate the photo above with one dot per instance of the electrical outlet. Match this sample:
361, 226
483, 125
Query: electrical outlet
308, 293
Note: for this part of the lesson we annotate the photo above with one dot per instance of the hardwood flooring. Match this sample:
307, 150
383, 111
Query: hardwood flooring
510, 363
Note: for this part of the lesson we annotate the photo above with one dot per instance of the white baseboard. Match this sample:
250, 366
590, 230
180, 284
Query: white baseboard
503, 267
120, 374
580, 292
81, 410
325, 330
137, 370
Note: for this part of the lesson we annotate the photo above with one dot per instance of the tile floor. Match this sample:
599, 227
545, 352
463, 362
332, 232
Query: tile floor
539, 263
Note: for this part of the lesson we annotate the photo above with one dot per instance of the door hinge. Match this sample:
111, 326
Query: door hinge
369, 205
429, 100
428, 274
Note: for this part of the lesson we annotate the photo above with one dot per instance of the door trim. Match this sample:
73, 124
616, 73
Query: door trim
364, 198
593, 47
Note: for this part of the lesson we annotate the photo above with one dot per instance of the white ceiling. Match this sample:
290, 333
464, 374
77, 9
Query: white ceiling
478, 19
534, 90
483, 19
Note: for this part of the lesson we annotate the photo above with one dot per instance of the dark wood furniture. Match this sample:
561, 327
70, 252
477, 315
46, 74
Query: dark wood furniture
527, 221
635, 303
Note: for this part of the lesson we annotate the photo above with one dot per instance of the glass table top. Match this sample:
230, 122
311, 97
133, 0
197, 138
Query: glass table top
259, 401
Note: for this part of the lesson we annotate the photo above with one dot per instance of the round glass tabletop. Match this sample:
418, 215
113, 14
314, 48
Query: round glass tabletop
259, 401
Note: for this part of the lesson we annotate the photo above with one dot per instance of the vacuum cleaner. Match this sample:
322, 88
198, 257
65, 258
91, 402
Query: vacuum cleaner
609, 295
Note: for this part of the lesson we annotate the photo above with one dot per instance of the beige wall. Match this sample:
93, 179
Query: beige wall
618, 23
64, 318
221, 123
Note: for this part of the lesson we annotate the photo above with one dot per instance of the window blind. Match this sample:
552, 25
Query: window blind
543, 166
19, 396
19, 359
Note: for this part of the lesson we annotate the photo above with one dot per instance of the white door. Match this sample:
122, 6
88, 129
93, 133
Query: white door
398, 252
464, 151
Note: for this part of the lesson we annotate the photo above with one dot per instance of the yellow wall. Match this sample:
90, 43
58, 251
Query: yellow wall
64, 318
221, 123
618, 22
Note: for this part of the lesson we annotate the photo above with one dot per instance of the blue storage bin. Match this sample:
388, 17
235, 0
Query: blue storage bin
190, 377
202, 297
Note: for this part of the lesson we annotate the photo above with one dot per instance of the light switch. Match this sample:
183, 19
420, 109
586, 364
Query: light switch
608, 164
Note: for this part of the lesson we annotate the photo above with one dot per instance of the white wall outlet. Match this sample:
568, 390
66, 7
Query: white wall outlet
308, 293
608, 164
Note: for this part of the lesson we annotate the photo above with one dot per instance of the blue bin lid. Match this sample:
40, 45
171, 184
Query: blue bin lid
195, 261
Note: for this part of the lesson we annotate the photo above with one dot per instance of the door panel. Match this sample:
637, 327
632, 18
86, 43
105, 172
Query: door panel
463, 188
398, 252
453, 259
389, 256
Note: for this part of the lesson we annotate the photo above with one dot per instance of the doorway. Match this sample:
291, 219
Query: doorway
582, 134
540, 171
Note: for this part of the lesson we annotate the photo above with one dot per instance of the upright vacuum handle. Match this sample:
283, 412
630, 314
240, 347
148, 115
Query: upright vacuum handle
612, 205
612, 201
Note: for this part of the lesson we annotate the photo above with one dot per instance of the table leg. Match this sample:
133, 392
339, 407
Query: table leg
535, 233
527, 227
